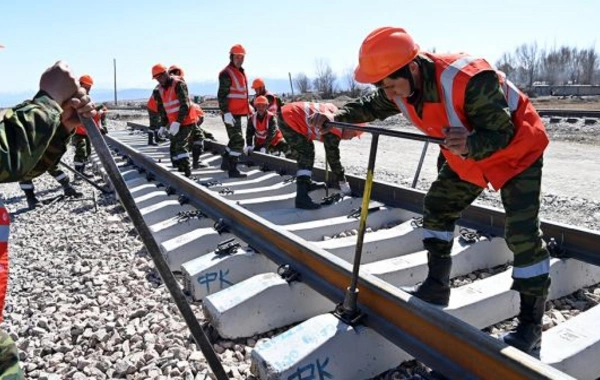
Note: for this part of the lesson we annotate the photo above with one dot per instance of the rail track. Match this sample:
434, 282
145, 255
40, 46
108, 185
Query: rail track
258, 264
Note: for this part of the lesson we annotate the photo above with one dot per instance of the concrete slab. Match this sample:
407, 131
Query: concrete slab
263, 204
270, 191
315, 230
466, 258
172, 227
163, 210
143, 189
211, 273
323, 347
573, 347
151, 198
262, 303
190, 245
379, 245
265, 180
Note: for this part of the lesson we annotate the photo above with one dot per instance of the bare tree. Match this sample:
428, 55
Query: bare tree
302, 83
354, 88
507, 65
324, 81
527, 56
589, 62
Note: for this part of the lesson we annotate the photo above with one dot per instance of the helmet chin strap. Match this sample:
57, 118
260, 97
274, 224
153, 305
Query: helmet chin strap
415, 94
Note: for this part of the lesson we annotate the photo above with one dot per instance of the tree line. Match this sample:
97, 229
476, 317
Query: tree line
527, 65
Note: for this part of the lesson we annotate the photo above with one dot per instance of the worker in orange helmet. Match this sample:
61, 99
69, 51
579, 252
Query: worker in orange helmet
174, 105
233, 103
494, 137
83, 146
262, 132
275, 103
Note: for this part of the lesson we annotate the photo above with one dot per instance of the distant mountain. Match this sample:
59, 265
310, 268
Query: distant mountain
209, 88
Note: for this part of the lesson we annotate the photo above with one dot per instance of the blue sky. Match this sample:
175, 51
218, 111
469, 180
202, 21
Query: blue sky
280, 36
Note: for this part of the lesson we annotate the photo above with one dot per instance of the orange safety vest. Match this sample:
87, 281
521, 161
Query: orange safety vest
80, 129
199, 111
152, 106
261, 129
273, 108
171, 103
453, 72
237, 98
296, 115
4, 233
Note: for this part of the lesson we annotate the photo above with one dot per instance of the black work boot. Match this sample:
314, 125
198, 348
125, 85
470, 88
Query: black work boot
196, 153
32, 201
225, 160
151, 138
436, 287
233, 170
303, 200
528, 335
184, 167
69, 190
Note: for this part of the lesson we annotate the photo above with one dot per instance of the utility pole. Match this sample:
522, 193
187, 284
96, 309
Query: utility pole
115, 78
291, 86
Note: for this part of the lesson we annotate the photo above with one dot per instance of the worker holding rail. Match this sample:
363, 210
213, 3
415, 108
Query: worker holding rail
493, 137
33, 132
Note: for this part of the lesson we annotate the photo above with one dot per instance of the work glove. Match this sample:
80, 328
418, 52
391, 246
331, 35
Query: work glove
263, 150
162, 131
228, 119
174, 128
248, 149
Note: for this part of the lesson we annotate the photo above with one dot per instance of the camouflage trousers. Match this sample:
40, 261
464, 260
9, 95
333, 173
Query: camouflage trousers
83, 150
236, 139
180, 147
448, 196
9, 359
305, 149
60, 176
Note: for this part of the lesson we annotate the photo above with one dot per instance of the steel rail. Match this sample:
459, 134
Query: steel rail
569, 113
439, 340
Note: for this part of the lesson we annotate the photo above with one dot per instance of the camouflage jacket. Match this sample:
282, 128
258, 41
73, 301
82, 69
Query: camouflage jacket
30, 133
271, 130
485, 108
9, 359
224, 85
181, 90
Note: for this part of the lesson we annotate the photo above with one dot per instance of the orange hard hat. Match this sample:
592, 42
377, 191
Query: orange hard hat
237, 49
384, 51
261, 100
158, 69
86, 80
175, 68
258, 83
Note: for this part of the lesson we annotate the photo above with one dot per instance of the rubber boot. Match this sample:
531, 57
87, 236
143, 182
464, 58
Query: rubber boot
436, 287
528, 335
225, 161
303, 200
70, 190
233, 170
184, 167
32, 201
151, 138
196, 153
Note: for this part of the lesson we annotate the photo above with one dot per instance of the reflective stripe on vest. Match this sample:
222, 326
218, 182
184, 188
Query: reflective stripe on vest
312, 132
237, 89
273, 108
261, 127
171, 104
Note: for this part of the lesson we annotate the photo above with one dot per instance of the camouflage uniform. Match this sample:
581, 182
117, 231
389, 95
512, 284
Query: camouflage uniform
486, 110
236, 139
282, 146
305, 149
29, 133
180, 143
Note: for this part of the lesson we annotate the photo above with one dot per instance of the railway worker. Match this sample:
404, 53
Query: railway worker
83, 147
275, 103
31, 132
300, 136
174, 106
493, 136
197, 136
233, 103
60, 176
262, 132
155, 131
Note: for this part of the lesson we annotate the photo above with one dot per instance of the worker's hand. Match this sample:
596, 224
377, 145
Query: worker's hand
456, 140
78, 104
58, 82
162, 131
248, 149
174, 128
228, 119
317, 120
